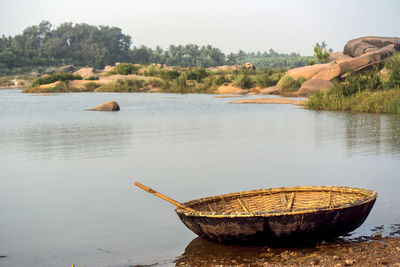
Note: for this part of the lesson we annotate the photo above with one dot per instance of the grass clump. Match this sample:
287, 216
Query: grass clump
92, 78
60, 87
197, 74
124, 69
91, 86
122, 85
269, 77
243, 81
289, 84
6, 82
384, 101
60, 76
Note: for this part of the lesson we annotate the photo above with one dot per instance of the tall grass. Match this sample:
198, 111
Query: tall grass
289, 84
122, 85
386, 101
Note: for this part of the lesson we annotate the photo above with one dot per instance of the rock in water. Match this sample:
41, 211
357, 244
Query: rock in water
109, 106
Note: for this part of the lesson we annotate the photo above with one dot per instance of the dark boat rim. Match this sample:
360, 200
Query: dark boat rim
369, 196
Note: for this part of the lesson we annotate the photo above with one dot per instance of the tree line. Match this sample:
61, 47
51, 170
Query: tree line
42, 45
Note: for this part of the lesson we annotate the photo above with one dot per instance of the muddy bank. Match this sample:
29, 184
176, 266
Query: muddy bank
364, 251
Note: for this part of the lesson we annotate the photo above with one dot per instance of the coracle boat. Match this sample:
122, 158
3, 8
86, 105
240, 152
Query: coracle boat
278, 215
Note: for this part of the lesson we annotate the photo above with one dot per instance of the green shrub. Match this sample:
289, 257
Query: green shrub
91, 86
122, 85
197, 74
92, 78
219, 80
288, 84
6, 82
61, 76
311, 62
393, 65
321, 53
157, 83
359, 81
242, 80
170, 74
124, 69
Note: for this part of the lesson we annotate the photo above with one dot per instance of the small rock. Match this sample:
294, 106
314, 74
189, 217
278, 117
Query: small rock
349, 262
336, 257
378, 234
338, 265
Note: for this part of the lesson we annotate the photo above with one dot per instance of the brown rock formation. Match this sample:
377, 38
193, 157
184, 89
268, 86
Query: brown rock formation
357, 54
312, 86
85, 72
363, 45
249, 66
307, 72
109, 106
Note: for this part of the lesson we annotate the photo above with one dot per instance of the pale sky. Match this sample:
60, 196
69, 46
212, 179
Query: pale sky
249, 25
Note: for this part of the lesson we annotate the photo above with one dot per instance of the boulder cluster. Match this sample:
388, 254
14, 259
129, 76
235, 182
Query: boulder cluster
357, 54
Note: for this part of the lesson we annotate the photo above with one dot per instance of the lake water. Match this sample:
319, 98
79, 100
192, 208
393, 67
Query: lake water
66, 174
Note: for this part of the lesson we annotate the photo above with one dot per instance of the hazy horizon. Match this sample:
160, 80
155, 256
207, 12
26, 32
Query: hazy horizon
285, 26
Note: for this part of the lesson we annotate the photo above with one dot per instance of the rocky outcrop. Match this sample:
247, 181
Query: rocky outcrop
313, 85
109, 106
273, 90
363, 45
307, 72
337, 57
357, 54
85, 72
66, 68
355, 64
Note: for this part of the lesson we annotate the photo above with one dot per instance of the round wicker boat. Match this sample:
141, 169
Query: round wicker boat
279, 215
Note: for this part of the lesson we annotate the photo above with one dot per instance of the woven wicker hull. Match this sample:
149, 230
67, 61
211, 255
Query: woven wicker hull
277, 227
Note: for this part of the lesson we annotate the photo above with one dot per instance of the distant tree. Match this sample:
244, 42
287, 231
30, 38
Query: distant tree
321, 53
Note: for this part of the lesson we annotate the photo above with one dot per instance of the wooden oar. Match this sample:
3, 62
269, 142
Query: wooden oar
170, 200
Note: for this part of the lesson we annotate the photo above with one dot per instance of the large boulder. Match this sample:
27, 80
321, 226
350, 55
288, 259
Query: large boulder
313, 85
307, 72
355, 64
109, 106
66, 68
249, 66
337, 57
85, 72
360, 46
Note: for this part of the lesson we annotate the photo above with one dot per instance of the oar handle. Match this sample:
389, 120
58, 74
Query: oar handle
170, 200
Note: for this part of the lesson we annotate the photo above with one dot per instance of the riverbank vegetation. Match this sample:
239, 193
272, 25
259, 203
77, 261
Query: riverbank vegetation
127, 77
41, 48
374, 90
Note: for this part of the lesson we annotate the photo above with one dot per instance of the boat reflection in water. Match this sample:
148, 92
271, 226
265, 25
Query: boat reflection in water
202, 252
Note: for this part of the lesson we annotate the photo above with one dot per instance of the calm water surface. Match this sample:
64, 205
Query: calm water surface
66, 174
